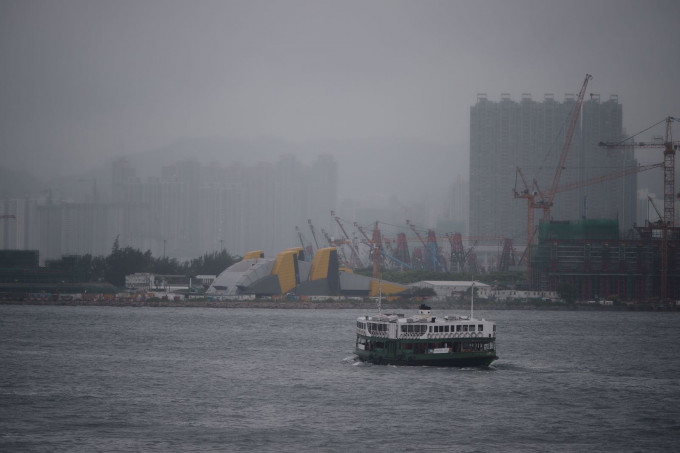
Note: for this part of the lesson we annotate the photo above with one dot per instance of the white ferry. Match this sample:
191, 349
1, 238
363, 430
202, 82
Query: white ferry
425, 339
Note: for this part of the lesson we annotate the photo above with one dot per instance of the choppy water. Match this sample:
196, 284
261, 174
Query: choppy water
192, 379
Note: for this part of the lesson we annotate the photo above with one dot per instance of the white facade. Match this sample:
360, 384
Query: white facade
449, 288
140, 281
513, 294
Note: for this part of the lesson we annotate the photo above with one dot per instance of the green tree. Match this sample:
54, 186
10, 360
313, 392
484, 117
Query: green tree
211, 263
124, 261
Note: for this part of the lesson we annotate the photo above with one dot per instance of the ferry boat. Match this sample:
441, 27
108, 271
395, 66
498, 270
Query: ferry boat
425, 339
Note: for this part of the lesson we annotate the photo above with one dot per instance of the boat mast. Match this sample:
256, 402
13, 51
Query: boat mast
472, 299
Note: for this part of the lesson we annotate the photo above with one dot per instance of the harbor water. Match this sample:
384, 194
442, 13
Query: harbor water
203, 379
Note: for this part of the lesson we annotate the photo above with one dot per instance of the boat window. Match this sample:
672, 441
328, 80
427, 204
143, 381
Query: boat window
446, 328
465, 328
431, 328
458, 328
480, 328
472, 327
494, 327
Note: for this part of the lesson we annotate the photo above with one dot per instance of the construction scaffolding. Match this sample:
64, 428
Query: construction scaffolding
591, 256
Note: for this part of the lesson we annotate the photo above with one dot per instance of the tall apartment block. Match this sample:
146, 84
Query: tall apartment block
528, 134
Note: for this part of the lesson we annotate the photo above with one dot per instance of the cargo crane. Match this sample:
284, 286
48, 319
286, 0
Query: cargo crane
299, 233
668, 223
433, 259
376, 251
379, 254
311, 227
309, 252
336, 243
457, 252
401, 252
354, 257
375, 246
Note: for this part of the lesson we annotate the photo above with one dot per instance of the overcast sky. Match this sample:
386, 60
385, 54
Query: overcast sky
85, 80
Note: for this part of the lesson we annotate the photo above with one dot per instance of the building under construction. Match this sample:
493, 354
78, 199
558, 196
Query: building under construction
591, 256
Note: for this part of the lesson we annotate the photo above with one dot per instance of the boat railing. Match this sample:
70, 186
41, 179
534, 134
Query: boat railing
457, 335
378, 333
411, 334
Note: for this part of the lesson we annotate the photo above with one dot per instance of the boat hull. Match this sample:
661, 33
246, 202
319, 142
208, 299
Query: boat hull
438, 360
449, 352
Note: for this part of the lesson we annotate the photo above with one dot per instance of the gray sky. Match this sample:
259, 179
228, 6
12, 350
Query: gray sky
85, 80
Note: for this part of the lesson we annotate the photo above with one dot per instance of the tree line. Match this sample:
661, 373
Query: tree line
127, 260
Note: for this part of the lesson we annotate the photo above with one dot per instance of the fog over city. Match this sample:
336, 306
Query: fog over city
384, 87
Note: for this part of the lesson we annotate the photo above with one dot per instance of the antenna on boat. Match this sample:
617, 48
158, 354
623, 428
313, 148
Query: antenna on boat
472, 299
380, 295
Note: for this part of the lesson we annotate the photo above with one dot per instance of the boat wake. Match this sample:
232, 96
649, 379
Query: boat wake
352, 360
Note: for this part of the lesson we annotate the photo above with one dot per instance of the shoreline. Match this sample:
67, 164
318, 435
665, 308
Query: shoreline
337, 305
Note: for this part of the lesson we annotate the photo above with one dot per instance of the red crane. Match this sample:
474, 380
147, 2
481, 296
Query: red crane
548, 202
532, 195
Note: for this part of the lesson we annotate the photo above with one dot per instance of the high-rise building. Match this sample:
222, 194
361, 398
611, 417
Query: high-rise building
530, 135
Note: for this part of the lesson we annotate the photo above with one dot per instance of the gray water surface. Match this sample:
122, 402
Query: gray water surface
202, 379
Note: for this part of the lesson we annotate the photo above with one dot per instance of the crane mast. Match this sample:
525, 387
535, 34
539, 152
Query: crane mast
311, 227
356, 261
669, 148
547, 203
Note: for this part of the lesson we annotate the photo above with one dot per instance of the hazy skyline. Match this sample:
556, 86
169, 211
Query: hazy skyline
86, 81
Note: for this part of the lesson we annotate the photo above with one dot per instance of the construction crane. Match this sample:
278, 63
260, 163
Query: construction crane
507, 256
529, 194
547, 202
669, 148
533, 194
668, 223
535, 199
660, 216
